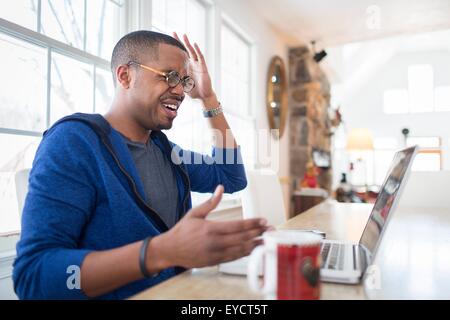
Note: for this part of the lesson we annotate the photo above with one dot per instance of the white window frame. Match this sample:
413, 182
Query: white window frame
54, 46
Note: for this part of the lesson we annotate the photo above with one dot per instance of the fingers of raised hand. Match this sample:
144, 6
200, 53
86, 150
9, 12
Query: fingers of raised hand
191, 49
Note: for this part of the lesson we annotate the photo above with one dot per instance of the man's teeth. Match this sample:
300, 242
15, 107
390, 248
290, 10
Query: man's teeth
171, 107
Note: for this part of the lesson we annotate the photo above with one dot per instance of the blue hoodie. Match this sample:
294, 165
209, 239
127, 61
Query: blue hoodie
85, 195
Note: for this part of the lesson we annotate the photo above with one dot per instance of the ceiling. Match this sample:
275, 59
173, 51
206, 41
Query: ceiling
336, 22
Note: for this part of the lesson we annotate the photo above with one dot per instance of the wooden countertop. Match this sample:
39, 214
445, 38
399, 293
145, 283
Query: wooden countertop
413, 261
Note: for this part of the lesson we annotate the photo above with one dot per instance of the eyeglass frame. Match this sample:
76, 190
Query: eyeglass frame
165, 75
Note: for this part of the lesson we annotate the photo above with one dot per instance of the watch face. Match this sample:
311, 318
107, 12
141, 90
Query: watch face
213, 112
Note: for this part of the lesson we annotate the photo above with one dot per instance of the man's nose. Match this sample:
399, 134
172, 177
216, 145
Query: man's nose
178, 90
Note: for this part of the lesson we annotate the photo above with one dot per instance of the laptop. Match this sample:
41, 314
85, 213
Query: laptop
346, 262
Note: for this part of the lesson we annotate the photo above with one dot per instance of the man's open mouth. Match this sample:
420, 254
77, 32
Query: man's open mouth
171, 107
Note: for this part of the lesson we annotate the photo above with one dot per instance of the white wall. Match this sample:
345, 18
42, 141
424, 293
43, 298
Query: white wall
365, 107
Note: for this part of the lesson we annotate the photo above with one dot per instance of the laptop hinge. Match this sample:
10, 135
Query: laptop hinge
362, 257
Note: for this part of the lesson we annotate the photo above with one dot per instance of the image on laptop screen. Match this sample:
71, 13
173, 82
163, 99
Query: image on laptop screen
386, 197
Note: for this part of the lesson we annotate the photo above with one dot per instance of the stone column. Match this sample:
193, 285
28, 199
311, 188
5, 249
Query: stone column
309, 121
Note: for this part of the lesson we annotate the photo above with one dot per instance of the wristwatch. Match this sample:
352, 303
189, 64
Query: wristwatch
213, 112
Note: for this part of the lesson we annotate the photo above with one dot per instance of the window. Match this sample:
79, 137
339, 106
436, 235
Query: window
420, 96
181, 16
64, 21
26, 67
92, 26
235, 71
429, 157
236, 90
420, 86
22, 12
48, 79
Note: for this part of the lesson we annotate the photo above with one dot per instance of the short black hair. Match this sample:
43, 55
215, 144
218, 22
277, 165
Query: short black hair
131, 46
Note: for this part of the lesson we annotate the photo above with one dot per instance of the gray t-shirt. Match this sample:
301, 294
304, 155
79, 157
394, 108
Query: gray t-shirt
157, 177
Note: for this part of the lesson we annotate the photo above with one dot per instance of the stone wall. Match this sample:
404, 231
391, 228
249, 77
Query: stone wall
309, 103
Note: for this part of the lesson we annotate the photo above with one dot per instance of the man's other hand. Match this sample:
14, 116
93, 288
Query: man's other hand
196, 242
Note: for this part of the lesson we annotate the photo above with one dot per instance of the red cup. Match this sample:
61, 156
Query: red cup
291, 265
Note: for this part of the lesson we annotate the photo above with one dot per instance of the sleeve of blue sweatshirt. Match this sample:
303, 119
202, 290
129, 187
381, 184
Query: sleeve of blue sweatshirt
224, 166
60, 198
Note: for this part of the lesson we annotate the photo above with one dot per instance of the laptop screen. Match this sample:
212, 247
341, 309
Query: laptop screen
386, 198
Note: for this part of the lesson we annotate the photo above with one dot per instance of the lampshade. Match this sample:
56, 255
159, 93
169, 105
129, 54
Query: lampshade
360, 139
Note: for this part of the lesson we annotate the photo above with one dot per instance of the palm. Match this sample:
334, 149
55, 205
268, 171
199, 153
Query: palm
198, 71
200, 74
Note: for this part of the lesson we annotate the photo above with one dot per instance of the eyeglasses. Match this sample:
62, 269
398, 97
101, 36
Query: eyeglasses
172, 77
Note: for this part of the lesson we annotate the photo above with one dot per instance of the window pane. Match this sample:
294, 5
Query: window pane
63, 20
245, 134
170, 15
20, 155
427, 162
72, 87
104, 90
242, 94
235, 61
196, 12
442, 98
159, 14
23, 12
23, 95
175, 16
103, 27
395, 101
421, 88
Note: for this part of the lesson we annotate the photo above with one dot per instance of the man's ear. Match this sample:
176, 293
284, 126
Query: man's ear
123, 76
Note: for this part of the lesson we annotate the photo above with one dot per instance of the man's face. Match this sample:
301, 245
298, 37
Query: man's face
152, 100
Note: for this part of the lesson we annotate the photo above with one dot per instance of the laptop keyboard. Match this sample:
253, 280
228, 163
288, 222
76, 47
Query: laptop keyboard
333, 256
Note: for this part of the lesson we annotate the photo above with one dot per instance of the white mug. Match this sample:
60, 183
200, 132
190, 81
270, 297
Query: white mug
291, 265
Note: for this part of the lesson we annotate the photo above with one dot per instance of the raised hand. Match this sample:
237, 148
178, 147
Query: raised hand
198, 70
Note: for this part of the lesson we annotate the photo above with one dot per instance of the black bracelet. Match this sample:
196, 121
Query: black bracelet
142, 259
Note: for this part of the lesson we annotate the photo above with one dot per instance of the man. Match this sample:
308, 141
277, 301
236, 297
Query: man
108, 213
